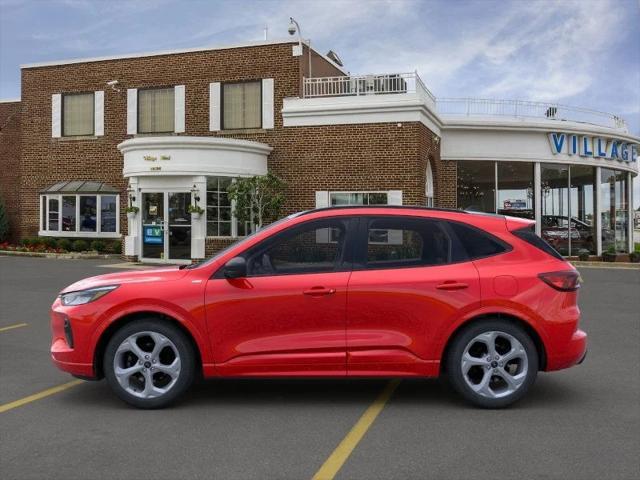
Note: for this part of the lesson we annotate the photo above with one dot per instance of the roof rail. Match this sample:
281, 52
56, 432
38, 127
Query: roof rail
390, 207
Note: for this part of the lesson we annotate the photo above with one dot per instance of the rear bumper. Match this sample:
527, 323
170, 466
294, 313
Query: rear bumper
572, 353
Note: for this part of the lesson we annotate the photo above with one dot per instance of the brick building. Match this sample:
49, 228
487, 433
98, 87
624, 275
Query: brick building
160, 131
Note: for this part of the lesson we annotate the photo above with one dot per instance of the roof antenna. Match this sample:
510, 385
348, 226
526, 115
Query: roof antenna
266, 33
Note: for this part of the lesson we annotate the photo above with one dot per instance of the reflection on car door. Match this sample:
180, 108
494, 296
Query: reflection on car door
288, 316
403, 290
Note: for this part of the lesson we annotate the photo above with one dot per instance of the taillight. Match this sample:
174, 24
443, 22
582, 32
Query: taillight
565, 281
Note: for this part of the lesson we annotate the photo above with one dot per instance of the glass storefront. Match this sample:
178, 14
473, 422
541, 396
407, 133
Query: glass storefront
568, 199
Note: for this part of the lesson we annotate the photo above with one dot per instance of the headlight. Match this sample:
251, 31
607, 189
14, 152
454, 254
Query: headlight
85, 296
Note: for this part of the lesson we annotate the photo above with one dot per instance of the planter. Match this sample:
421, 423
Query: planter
609, 257
196, 215
131, 216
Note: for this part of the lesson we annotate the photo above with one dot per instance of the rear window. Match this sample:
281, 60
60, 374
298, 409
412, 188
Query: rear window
476, 243
528, 234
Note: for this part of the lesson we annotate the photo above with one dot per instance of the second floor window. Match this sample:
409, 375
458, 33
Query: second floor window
156, 110
77, 114
242, 105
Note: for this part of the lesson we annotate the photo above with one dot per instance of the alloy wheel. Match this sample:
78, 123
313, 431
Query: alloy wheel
494, 364
147, 364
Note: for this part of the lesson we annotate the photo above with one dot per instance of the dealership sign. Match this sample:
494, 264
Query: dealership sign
597, 147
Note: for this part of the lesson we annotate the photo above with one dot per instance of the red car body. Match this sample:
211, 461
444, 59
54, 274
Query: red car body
390, 322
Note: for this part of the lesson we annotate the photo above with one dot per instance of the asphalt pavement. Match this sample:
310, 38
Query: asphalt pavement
581, 423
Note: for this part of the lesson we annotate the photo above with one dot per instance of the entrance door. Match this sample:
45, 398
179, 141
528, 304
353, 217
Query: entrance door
166, 226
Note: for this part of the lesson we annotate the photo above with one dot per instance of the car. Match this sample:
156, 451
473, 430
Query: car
337, 292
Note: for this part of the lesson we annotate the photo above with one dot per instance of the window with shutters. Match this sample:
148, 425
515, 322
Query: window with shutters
156, 110
78, 114
242, 105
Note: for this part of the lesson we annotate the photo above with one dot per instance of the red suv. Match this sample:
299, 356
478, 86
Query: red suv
337, 292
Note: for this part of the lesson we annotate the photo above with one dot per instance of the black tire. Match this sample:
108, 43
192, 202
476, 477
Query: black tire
453, 362
185, 351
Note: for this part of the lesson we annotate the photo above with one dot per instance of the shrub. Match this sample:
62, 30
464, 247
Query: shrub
116, 246
79, 246
49, 242
26, 242
583, 254
98, 246
65, 244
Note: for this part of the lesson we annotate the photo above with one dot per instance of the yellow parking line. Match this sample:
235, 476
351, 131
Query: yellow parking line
11, 327
37, 396
334, 463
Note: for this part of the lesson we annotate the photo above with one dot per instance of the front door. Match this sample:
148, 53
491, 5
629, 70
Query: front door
166, 226
287, 317
403, 292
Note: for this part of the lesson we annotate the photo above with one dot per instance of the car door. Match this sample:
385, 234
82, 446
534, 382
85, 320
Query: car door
288, 315
404, 290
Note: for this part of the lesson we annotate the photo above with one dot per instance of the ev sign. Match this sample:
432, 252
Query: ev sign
597, 147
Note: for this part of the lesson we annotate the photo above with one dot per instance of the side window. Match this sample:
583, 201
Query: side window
399, 242
304, 249
476, 243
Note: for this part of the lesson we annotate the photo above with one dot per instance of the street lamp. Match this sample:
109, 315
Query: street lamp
293, 28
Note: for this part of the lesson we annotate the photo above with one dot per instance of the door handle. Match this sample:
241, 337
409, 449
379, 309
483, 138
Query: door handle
452, 285
319, 291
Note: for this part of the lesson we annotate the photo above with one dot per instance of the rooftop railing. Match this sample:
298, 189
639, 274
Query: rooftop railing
402, 83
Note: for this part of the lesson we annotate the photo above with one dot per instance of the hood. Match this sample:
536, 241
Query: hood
130, 276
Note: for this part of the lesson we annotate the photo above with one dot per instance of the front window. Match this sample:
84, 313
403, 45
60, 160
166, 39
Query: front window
358, 198
242, 105
221, 220
156, 110
615, 210
79, 215
477, 186
78, 114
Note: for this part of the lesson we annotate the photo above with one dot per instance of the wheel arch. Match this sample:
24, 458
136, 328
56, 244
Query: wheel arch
120, 322
526, 326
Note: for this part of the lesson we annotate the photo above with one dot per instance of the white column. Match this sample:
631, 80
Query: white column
630, 211
199, 226
537, 198
132, 241
598, 219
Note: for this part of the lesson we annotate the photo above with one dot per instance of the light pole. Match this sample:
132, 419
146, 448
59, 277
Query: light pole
293, 28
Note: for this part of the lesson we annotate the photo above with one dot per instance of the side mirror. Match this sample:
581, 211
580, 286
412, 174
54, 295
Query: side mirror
235, 268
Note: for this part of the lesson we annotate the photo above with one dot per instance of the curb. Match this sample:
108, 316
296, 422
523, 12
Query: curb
61, 256
612, 265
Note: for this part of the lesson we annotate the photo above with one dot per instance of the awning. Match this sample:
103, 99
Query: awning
81, 186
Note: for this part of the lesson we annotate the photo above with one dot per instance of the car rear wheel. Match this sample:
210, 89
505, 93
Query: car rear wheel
492, 364
149, 363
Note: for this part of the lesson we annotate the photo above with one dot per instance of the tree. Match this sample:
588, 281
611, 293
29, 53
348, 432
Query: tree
257, 199
4, 222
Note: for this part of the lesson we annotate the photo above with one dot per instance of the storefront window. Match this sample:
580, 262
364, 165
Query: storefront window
108, 213
53, 213
88, 213
221, 222
615, 210
476, 186
77, 215
69, 213
555, 206
515, 189
583, 209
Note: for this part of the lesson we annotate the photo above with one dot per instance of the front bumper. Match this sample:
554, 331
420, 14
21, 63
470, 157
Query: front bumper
66, 352
572, 353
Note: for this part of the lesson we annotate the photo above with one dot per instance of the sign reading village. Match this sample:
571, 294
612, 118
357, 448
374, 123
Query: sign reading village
597, 147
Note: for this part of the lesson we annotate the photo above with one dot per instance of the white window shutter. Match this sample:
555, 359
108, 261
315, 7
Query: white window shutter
98, 112
56, 115
214, 106
268, 109
179, 124
132, 111
322, 199
394, 197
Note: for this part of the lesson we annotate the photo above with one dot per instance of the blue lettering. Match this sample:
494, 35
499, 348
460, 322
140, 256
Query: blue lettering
614, 150
586, 150
557, 142
601, 152
573, 150
624, 152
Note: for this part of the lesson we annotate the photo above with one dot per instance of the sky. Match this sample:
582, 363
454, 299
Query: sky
584, 53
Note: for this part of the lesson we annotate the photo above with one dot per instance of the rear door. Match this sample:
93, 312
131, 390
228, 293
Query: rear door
404, 290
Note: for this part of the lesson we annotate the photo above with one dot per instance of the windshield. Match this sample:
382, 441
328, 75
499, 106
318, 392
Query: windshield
242, 241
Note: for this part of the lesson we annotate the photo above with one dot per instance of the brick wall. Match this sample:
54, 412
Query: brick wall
10, 127
340, 157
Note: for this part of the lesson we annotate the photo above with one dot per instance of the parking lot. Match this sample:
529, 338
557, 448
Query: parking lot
581, 423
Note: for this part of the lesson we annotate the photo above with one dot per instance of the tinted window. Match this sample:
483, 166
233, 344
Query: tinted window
475, 242
399, 242
311, 248
529, 235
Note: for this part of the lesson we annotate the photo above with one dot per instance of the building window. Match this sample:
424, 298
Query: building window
79, 215
78, 114
582, 200
614, 210
429, 186
515, 189
554, 180
242, 105
156, 110
358, 198
477, 186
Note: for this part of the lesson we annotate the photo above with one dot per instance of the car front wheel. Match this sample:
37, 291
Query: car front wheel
149, 363
492, 364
